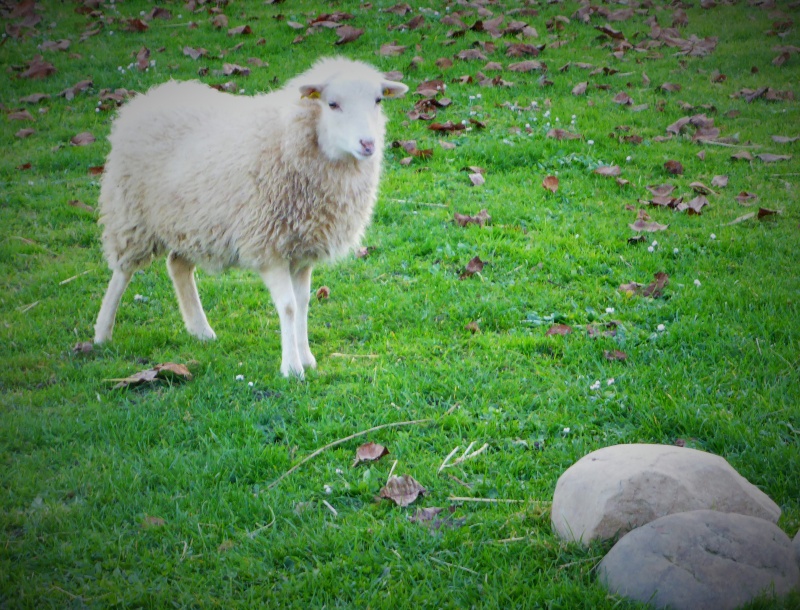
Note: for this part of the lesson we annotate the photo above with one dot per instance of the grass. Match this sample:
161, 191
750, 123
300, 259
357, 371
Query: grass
158, 496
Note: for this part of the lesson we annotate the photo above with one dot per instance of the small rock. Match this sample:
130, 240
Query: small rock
616, 489
701, 560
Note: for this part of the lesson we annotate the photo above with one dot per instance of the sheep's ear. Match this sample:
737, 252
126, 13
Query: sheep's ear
311, 92
393, 89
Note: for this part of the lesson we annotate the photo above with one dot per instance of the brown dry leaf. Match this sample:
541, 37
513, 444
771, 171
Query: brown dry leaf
673, 167
399, 9
701, 188
777, 139
695, 206
96, 170
392, 49
649, 227
135, 25
655, 289
468, 54
580, 88
402, 490
623, 98
21, 115
323, 292
736, 221
38, 68
449, 126
742, 155
75, 203
671, 87
608, 170
55, 45
475, 265
84, 347
550, 183
430, 518
719, 181
24, 133
558, 329
562, 134
225, 546
770, 158
240, 30
477, 179
446, 145
234, 69
159, 13
70, 92
24, 167
472, 327
35, 98
661, 190
195, 53
150, 522
82, 139
631, 288
762, 212
370, 452
746, 199
610, 32
526, 66
143, 59
480, 219
614, 354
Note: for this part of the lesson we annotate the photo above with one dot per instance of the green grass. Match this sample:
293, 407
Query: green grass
85, 466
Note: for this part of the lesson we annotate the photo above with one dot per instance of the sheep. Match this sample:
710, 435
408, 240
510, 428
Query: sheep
276, 182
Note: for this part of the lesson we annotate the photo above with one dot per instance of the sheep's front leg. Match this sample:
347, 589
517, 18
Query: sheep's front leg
182, 273
278, 280
108, 310
301, 281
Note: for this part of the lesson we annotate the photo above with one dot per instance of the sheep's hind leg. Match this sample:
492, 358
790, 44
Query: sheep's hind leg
301, 282
182, 273
108, 310
278, 280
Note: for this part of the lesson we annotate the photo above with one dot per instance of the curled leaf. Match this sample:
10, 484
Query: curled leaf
370, 452
402, 490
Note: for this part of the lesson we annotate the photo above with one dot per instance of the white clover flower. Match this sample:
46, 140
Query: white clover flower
327, 489
697, 283
609, 310
472, 97
590, 142
239, 377
250, 383
675, 251
595, 385
478, 96
713, 236
628, 158
654, 244
610, 381
661, 328
651, 249
566, 430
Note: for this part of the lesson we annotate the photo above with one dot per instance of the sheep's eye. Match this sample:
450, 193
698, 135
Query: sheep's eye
333, 105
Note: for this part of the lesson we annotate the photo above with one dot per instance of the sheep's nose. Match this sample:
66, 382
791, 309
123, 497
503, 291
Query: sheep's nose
367, 147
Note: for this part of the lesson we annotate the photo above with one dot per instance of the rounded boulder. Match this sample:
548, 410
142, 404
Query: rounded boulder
613, 490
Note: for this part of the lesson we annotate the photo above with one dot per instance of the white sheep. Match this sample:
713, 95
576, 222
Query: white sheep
275, 182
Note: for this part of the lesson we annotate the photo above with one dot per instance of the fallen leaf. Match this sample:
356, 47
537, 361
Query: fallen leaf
746, 199
475, 265
135, 25
614, 354
391, 50
694, 206
80, 205
480, 219
655, 289
82, 139
777, 139
225, 546
661, 190
740, 219
430, 517
150, 522
770, 158
580, 88
526, 66
24, 133
472, 327
234, 69
470, 54
561, 134
38, 68
673, 167
649, 227
323, 292
762, 212
21, 115
719, 181
241, 30
477, 179
195, 53
608, 170
623, 98
550, 183
558, 329
143, 59
701, 188
402, 490
55, 45
370, 452
152, 374
35, 98
84, 347
96, 170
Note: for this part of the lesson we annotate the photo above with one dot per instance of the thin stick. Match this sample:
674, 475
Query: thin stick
433, 205
330, 508
344, 440
491, 500
729, 145
27, 308
256, 531
391, 472
74, 277
452, 565
447, 459
338, 355
507, 540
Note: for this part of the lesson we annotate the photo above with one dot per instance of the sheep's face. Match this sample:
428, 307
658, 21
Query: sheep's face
351, 121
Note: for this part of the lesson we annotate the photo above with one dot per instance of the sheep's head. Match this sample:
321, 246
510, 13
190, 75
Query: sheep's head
351, 122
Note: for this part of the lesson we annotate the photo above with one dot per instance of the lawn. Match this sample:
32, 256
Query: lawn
162, 495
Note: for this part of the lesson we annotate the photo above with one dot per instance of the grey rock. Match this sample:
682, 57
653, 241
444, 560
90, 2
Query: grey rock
701, 560
616, 489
